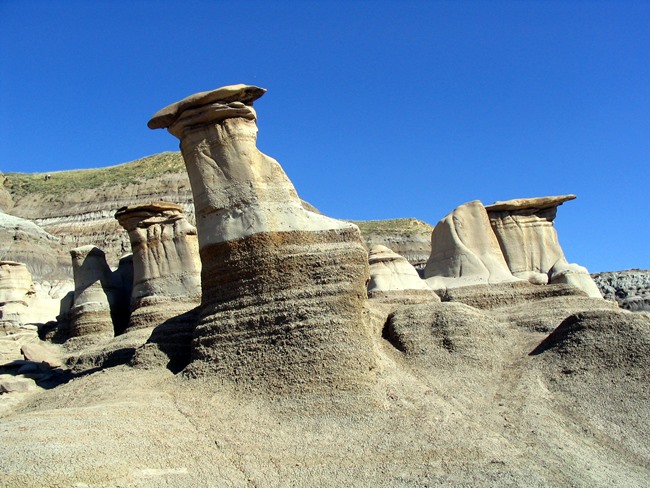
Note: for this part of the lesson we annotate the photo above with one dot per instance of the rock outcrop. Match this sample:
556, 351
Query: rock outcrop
410, 238
15, 287
23, 241
465, 251
504, 242
97, 297
392, 277
166, 264
525, 231
630, 288
283, 288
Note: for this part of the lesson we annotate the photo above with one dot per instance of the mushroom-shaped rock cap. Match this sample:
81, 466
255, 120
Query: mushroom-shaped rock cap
524, 203
245, 94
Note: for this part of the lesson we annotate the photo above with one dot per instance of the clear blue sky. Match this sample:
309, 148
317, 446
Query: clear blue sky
374, 109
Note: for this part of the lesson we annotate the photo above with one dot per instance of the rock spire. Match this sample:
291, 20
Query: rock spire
283, 288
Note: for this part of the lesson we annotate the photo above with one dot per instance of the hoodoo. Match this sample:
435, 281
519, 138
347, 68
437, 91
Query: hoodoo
166, 265
283, 288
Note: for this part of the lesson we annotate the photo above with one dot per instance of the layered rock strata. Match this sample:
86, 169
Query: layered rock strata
166, 265
283, 288
527, 237
15, 287
465, 251
96, 296
392, 277
23, 241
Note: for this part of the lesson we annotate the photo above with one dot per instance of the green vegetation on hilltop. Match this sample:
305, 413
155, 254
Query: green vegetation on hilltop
62, 182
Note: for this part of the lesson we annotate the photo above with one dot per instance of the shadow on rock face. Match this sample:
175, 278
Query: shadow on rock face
169, 345
605, 339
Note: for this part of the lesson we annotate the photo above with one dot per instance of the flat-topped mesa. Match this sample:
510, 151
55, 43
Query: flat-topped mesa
95, 297
283, 288
393, 278
465, 251
166, 264
15, 286
526, 234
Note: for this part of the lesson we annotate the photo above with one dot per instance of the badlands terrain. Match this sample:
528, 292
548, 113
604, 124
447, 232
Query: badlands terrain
204, 326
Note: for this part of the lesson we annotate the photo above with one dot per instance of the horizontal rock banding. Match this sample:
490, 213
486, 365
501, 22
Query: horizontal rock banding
283, 287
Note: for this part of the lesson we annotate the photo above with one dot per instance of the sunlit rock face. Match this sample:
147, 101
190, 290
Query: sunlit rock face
15, 287
166, 264
96, 294
525, 231
393, 278
465, 251
283, 288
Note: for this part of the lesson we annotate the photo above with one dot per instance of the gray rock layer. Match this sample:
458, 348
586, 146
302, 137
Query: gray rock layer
630, 288
284, 309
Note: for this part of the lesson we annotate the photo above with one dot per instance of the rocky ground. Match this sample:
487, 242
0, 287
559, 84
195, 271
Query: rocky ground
631, 288
463, 396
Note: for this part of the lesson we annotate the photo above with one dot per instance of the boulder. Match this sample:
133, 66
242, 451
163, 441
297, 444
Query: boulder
283, 287
465, 251
166, 264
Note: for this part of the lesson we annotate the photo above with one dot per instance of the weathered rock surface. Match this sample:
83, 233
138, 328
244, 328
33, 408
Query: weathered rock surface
392, 277
630, 288
410, 238
23, 241
15, 290
97, 297
283, 288
465, 251
524, 228
166, 263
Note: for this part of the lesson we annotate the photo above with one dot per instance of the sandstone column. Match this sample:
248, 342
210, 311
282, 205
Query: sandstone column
283, 288
94, 296
166, 266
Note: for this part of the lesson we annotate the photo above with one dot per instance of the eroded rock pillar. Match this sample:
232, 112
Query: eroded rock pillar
283, 288
166, 265
95, 295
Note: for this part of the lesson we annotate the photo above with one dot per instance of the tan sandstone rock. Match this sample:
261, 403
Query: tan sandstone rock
465, 251
525, 231
393, 277
166, 264
94, 296
283, 287
15, 287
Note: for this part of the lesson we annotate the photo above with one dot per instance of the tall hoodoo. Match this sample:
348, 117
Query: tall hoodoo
166, 265
283, 288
